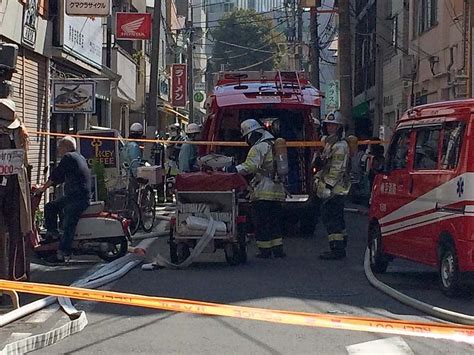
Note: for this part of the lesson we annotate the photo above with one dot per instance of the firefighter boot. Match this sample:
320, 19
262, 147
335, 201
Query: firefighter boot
264, 253
278, 251
337, 251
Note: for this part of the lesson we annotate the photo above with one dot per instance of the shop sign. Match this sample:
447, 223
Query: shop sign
332, 96
30, 23
95, 8
102, 151
11, 161
133, 26
73, 96
178, 85
83, 36
199, 97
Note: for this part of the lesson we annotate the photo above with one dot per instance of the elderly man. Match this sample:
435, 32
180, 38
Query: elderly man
75, 174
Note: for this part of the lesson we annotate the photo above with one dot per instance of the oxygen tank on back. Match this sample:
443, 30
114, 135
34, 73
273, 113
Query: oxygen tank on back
281, 157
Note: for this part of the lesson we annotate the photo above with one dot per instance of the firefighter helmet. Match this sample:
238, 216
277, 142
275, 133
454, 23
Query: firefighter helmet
249, 126
334, 117
136, 128
193, 128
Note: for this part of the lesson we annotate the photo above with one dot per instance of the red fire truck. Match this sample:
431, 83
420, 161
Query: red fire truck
283, 102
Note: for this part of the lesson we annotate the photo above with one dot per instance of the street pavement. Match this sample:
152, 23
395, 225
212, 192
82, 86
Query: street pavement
300, 282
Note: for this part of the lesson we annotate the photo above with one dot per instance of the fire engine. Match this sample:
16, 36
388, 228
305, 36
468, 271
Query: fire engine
283, 102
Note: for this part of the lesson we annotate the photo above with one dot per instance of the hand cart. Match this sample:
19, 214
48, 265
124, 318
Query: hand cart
207, 196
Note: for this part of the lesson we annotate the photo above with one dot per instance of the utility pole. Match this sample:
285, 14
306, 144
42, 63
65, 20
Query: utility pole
314, 52
300, 36
152, 118
345, 63
189, 58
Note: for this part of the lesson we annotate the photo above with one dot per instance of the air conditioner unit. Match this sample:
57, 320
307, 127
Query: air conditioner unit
406, 84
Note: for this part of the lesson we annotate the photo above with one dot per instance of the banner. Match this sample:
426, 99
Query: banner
73, 96
179, 81
133, 26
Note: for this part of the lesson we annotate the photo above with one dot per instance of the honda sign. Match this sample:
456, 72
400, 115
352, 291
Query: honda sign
134, 26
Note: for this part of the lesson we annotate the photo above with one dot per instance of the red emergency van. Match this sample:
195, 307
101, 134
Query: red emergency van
283, 102
422, 206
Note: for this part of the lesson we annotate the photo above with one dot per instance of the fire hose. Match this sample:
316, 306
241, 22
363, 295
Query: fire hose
161, 261
78, 322
434, 311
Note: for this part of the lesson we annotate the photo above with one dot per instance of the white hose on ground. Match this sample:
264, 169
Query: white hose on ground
103, 276
434, 311
161, 261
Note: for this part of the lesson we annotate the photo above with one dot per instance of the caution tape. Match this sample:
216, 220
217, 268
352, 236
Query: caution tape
289, 144
363, 324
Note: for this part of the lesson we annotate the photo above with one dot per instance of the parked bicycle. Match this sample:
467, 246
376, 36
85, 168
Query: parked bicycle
134, 199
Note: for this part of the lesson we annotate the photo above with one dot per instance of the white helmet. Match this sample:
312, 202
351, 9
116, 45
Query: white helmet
193, 128
249, 126
174, 126
136, 128
334, 117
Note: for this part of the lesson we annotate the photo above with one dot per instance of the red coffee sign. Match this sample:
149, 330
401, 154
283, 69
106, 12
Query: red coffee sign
178, 85
134, 26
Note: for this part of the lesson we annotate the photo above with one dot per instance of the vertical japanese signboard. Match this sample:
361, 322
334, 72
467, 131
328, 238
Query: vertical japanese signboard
178, 85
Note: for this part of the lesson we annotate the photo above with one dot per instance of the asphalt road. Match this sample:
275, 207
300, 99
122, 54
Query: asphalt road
301, 282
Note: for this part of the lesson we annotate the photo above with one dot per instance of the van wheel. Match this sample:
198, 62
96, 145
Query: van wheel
378, 259
449, 276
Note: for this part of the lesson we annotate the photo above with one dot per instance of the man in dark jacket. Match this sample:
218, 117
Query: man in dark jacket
76, 176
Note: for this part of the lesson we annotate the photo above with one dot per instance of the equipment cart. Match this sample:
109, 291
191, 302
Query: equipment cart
200, 197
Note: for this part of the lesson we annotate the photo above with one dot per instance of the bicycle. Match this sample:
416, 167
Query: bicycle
140, 200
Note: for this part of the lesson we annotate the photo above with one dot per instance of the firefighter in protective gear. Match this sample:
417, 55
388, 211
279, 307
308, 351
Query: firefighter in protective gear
131, 154
332, 185
172, 155
188, 154
267, 192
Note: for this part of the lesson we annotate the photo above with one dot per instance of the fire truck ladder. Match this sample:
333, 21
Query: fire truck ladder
294, 82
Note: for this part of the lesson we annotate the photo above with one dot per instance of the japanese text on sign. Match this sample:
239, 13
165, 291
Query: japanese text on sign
88, 7
179, 80
11, 161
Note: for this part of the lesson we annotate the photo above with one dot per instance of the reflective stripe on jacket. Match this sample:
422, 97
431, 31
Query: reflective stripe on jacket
335, 171
259, 162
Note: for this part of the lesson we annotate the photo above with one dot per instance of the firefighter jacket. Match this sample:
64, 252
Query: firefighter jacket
259, 162
334, 172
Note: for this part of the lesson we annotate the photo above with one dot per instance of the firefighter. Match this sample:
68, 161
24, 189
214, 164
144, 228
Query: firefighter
172, 154
188, 153
333, 184
267, 192
131, 153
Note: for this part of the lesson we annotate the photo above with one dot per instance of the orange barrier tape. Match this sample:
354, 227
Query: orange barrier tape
374, 325
289, 144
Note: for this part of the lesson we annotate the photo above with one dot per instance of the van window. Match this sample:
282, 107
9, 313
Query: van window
452, 143
398, 152
426, 149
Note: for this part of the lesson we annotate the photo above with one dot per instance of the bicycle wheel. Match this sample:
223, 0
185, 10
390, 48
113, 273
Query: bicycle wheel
132, 212
148, 208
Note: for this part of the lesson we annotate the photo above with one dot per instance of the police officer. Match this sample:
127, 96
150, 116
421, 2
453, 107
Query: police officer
131, 153
333, 184
267, 192
188, 153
